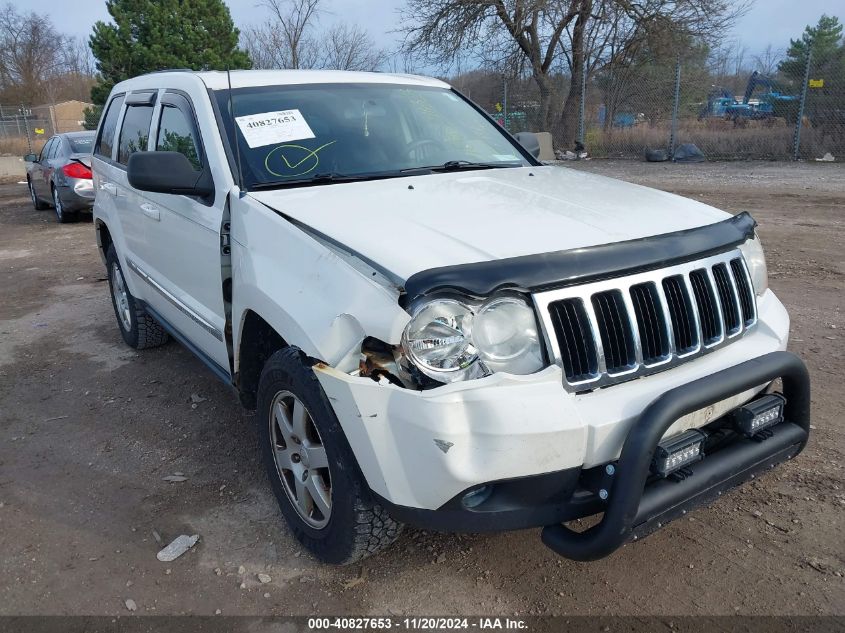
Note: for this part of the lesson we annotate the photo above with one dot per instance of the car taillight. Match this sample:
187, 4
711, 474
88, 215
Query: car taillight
76, 170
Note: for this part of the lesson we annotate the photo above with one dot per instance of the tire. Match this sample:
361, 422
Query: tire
36, 202
356, 526
62, 216
139, 329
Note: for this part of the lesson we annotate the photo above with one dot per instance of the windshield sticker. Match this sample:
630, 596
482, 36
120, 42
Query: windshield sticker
270, 128
293, 160
505, 157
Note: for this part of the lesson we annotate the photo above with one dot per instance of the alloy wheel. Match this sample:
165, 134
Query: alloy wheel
301, 459
57, 202
121, 298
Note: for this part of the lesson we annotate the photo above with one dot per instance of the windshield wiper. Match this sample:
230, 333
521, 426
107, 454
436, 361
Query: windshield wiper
334, 177
317, 179
457, 165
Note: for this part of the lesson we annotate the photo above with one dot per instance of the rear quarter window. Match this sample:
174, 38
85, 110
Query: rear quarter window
105, 140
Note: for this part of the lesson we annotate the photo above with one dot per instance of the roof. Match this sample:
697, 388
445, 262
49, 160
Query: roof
79, 134
217, 80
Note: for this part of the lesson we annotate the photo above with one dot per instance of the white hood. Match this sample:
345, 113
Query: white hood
408, 225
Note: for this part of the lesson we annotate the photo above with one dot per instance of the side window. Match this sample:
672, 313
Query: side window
176, 133
56, 151
134, 132
45, 151
105, 141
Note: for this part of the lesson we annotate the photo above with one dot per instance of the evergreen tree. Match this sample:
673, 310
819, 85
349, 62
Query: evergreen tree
824, 41
150, 35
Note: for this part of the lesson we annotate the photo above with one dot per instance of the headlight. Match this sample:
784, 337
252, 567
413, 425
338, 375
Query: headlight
448, 340
505, 334
437, 340
752, 250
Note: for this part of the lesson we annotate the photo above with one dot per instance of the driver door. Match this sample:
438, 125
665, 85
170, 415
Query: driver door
40, 174
183, 249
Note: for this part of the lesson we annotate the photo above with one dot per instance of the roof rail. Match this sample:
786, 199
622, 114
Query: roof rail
171, 70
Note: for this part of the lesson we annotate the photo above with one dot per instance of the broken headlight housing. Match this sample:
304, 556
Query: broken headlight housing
450, 339
752, 250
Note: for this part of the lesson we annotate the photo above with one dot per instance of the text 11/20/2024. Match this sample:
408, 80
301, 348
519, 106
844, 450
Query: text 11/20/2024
416, 624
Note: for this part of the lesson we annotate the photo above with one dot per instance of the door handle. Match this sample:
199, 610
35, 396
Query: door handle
109, 187
151, 211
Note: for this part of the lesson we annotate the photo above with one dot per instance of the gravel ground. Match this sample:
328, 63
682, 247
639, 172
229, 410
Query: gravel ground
89, 428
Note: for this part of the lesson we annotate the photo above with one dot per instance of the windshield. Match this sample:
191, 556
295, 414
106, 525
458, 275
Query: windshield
334, 132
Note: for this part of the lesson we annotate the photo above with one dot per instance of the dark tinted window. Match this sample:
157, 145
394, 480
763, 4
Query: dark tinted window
81, 144
176, 133
134, 132
106, 140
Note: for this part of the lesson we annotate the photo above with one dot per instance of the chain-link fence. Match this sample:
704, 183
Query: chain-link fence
24, 129
796, 113
822, 109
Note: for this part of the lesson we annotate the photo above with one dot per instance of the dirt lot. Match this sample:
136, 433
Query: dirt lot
88, 429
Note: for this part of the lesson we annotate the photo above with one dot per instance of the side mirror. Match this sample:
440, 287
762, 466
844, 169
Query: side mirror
31, 158
530, 142
168, 172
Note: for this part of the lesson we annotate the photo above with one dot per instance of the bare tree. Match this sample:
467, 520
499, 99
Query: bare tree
290, 40
285, 40
267, 47
77, 72
510, 34
767, 61
350, 47
29, 54
533, 34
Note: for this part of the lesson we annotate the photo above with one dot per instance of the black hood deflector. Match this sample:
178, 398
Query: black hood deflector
533, 273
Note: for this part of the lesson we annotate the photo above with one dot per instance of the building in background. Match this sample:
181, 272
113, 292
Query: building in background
66, 116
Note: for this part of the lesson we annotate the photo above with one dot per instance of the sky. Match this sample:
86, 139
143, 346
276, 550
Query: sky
768, 22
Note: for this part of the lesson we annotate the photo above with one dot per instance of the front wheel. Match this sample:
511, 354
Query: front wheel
320, 489
139, 329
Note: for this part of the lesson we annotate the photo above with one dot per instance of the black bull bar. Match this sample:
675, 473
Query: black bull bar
633, 509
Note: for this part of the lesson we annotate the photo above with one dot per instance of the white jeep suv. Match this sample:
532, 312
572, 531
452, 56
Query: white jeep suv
434, 327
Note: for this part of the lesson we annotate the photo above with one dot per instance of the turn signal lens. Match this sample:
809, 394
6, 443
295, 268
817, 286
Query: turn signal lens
756, 260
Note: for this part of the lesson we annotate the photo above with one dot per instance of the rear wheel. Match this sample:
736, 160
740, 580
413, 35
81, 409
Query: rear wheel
320, 489
139, 329
62, 215
36, 203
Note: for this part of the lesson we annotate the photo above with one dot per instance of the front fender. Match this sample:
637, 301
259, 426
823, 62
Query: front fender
306, 292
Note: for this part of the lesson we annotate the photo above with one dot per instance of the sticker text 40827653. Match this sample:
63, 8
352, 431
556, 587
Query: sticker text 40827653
279, 119
269, 128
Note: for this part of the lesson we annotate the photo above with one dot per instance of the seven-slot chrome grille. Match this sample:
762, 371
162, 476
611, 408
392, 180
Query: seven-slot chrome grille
606, 332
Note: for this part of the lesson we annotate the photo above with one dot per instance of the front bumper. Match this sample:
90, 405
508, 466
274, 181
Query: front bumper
634, 508
419, 450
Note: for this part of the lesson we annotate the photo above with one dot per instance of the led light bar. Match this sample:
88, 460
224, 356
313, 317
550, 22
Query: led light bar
676, 452
760, 414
